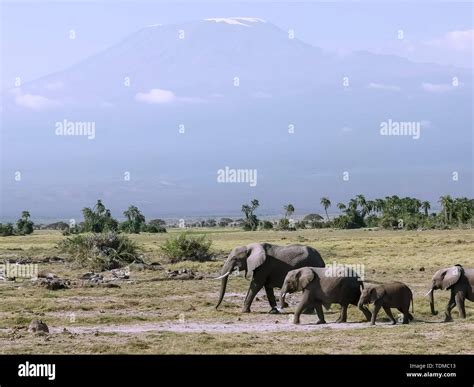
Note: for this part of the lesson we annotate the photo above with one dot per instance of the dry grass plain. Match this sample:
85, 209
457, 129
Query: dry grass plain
153, 315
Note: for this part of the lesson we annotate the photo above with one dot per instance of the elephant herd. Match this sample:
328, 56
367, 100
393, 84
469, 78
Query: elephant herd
296, 268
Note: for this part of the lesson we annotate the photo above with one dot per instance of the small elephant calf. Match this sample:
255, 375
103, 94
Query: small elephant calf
386, 296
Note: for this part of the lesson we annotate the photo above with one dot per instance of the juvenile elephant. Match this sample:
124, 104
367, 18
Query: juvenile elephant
267, 265
461, 283
322, 286
386, 296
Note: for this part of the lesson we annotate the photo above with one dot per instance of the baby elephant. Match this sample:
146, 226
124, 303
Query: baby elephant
386, 296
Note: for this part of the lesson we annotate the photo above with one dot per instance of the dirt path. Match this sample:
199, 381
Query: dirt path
196, 327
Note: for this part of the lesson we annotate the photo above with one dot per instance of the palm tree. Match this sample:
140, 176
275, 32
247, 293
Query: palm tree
289, 210
99, 207
135, 219
341, 206
369, 206
417, 205
361, 200
25, 215
379, 205
353, 204
326, 203
426, 206
461, 210
447, 207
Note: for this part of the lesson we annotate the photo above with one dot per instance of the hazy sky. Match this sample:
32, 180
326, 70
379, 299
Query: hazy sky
174, 174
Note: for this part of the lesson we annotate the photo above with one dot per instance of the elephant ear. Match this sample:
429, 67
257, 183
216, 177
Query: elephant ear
256, 257
451, 276
376, 293
304, 276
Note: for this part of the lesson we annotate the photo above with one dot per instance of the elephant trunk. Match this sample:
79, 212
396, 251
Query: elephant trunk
226, 270
433, 311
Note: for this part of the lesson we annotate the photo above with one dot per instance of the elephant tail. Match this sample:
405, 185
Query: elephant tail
412, 305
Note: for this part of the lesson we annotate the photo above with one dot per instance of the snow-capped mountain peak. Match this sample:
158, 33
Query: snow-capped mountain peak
241, 21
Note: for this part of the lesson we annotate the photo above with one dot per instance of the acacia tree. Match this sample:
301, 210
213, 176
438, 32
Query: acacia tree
24, 225
251, 220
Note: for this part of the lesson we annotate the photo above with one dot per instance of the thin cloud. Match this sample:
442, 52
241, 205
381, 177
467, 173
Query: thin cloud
455, 40
33, 101
437, 87
160, 96
381, 86
156, 96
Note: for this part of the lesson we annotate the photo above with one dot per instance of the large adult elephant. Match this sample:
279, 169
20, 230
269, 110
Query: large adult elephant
461, 283
267, 265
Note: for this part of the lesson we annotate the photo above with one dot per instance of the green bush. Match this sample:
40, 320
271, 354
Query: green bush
99, 252
154, 229
389, 222
350, 221
372, 221
185, 247
283, 224
300, 225
224, 222
266, 225
316, 224
6, 229
24, 225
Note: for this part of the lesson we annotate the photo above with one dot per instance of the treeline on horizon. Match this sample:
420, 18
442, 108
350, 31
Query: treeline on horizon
391, 212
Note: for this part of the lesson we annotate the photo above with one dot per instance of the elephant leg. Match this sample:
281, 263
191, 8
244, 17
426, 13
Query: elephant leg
407, 312
320, 313
271, 300
449, 307
406, 315
304, 303
366, 311
460, 304
343, 316
377, 307
253, 290
388, 311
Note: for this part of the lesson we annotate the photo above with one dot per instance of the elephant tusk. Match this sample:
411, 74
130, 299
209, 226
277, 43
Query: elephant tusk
427, 294
222, 276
